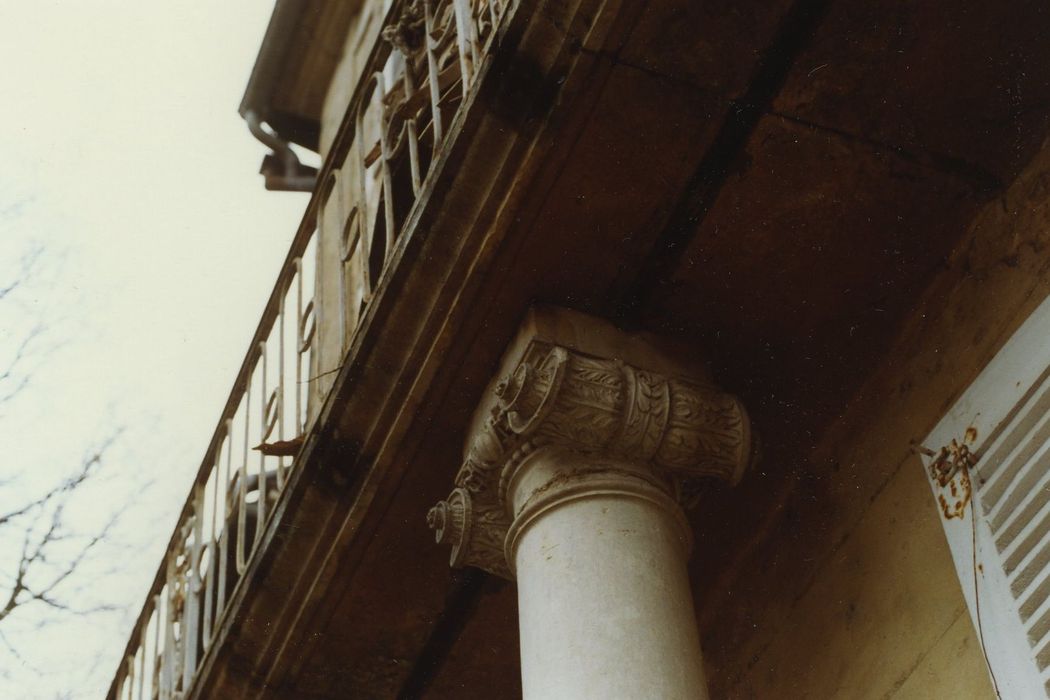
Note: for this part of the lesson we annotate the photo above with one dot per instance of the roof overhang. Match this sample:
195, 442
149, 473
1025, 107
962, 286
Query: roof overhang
299, 54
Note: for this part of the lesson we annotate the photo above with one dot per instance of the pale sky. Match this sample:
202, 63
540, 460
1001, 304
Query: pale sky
125, 162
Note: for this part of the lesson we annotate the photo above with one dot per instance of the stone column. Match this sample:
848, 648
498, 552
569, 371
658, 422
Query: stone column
575, 468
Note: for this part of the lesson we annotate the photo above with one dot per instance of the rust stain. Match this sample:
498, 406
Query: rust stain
950, 469
958, 508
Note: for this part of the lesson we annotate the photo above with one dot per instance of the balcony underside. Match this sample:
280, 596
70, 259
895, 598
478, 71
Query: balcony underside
730, 176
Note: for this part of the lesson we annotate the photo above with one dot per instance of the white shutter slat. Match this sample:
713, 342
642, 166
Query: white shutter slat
1025, 577
1027, 541
1028, 504
1042, 656
1039, 628
1023, 440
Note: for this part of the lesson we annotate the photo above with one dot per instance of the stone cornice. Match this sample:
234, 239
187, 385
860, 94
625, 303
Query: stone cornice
680, 429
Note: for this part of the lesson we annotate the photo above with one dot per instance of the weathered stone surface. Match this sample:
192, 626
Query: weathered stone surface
710, 45
810, 254
965, 81
954, 666
987, 287
485, 656
885, 596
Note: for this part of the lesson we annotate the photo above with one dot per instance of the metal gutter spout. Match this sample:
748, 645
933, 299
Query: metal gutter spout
281, 169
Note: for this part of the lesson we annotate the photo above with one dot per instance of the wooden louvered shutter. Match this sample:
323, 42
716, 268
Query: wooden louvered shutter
1003, 419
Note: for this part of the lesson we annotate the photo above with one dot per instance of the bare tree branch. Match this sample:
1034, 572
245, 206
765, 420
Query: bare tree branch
14, 377
88, 467
28, 265
14, 652
50, 562
41, 572
9, 373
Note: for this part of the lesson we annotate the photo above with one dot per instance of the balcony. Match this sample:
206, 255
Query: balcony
377, 179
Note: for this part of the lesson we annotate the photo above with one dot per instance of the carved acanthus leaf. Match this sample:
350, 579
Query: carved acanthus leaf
681, 429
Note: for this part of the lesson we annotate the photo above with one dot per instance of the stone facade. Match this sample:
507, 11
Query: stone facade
830, 214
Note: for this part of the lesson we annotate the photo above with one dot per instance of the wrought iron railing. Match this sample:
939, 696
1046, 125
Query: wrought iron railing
421, 70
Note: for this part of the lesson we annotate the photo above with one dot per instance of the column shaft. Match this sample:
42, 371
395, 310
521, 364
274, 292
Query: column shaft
603, 593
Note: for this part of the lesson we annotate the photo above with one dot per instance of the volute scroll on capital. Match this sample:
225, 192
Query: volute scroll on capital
683, 429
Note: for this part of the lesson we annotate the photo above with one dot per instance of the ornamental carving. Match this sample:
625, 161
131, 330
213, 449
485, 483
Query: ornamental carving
682, 429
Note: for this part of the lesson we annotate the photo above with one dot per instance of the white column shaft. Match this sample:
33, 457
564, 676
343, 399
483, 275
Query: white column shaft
604, 598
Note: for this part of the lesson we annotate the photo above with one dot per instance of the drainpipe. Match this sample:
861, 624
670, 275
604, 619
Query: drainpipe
281, 169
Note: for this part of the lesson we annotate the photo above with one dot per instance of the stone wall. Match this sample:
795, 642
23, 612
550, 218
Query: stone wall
337, 300
359, 40
848, 590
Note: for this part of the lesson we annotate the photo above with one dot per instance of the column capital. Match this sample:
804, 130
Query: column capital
574, 383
